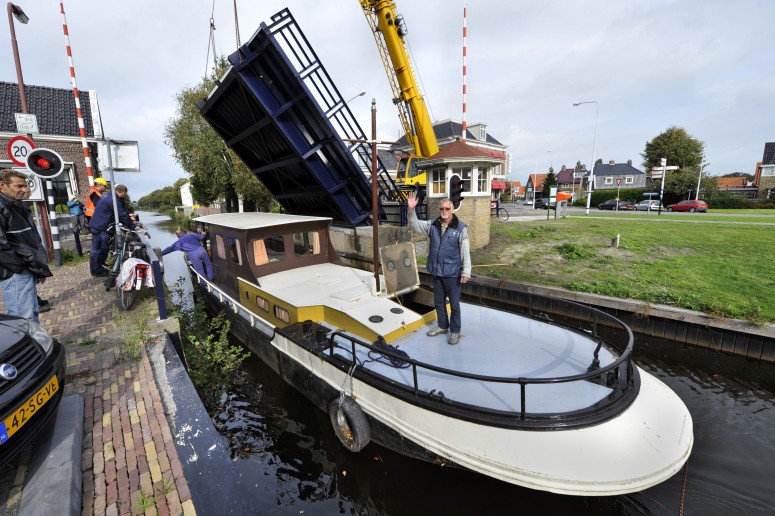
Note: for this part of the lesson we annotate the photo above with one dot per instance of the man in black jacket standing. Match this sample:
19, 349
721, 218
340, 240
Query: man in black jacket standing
23, 259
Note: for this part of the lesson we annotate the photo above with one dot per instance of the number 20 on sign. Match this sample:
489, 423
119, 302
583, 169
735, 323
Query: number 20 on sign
19, 147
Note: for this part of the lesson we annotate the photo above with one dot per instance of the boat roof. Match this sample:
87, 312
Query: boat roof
255, 220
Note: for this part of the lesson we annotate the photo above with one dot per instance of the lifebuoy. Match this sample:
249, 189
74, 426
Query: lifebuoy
350, 424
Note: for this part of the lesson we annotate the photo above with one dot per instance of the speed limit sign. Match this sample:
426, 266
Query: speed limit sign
19, 147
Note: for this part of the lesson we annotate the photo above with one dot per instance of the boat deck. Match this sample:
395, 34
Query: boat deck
499, 344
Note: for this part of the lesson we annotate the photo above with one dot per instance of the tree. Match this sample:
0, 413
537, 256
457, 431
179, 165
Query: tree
215, 171
682, 150
677, 146
549, 181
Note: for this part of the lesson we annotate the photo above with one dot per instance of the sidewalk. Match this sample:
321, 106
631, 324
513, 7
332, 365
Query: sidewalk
129, 461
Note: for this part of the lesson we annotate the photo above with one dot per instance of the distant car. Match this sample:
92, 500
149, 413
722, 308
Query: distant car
689, 205
32, 379
647, 205
544, 204
610, 204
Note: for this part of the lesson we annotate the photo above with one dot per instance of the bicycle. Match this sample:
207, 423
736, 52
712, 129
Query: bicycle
497, 211
122, 247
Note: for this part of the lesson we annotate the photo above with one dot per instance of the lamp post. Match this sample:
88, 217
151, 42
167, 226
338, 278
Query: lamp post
702, 165
14, 11
594, 141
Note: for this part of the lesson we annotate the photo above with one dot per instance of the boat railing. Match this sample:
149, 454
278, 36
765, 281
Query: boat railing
619, 375
225, 299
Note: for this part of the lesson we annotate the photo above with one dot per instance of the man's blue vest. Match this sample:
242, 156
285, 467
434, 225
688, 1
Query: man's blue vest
444, 253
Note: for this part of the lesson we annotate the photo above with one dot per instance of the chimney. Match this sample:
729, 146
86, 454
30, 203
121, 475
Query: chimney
612, 162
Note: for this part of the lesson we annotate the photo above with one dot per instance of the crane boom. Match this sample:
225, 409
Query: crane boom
389, 30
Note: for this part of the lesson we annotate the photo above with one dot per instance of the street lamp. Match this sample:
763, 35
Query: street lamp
594, 140
535, 174
14, 11
361, 94
702, 165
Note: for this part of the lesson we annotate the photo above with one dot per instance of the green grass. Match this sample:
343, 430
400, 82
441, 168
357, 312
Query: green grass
726, 270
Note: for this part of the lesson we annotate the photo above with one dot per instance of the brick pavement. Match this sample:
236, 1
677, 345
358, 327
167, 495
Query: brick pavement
129, 461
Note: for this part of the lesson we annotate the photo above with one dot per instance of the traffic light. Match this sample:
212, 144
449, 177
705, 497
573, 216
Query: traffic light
455, 191
45, 163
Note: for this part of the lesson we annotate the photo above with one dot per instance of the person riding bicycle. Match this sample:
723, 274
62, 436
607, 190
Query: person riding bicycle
102, 218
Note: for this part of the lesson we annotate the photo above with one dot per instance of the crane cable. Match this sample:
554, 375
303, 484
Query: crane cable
211, 41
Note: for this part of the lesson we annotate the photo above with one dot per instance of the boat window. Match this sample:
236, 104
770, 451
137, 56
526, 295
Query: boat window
262, 303
234, 251
306, 243
220, 249
268, 250
282, 314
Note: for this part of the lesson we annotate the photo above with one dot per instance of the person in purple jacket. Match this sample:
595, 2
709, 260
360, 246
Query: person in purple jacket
191, 244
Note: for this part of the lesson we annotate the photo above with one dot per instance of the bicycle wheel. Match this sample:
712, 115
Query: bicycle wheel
504, 215
126, 298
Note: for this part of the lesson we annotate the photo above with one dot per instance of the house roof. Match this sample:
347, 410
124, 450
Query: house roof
769, 154
54, 109
388, 159
725, 183
566, 176
459, 149
449, 129
617, 169
537, 180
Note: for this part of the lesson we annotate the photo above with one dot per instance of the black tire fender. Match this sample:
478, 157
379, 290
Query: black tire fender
350, 424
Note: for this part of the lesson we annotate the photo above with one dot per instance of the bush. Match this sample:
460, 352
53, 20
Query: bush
727, 200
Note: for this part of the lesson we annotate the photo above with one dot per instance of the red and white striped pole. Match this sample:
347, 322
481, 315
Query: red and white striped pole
465, 129
79, 113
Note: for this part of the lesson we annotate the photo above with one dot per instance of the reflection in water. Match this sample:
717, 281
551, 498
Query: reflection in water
287, 452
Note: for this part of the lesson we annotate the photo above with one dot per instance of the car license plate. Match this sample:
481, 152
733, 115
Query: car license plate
23, 414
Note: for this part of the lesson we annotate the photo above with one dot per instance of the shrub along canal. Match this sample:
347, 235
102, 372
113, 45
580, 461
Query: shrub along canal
288, 454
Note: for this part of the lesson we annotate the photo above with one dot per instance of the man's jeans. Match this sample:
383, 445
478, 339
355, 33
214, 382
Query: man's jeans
99, 251
443, 289
20, 295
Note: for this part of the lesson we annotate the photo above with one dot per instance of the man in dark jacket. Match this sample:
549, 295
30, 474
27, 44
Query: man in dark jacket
23, 259
449, 260
102, 218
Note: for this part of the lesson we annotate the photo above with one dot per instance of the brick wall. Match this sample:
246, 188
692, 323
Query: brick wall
475, 212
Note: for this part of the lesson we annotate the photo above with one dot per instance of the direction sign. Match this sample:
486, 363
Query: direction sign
19, 147
618, 181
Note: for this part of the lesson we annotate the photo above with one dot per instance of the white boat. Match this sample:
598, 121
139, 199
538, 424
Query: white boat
522, 398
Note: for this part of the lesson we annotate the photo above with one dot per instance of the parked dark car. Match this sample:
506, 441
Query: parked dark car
32, 379
610, 204
689, 205
544, 204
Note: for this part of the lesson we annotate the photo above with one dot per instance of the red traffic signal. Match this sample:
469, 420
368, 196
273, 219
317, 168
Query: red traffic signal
45, 163
456, 191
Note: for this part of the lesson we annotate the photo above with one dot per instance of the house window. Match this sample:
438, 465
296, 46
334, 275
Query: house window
438, 181
482, 133
483, 181
220, 248
306, 243
609, 180
282, 314
268, 250
465, 173
629, 180
262, 303
234, 251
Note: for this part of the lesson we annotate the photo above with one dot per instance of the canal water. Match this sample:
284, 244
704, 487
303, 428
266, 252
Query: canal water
288, 454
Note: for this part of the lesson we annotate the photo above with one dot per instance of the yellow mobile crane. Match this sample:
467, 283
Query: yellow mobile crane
389, 31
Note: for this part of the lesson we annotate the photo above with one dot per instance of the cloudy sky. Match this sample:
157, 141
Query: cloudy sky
704, 65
